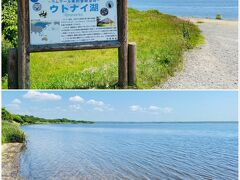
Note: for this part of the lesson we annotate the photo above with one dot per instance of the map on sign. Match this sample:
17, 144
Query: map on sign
71, 21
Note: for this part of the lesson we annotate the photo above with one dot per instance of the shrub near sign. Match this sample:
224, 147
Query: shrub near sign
71, 21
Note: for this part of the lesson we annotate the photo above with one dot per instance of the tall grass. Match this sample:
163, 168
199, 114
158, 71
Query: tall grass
11, 133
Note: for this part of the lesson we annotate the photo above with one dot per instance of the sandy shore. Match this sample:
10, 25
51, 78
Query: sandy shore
10, 160
213, 65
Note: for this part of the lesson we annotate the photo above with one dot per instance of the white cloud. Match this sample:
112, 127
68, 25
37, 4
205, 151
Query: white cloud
41, 96
157, 109
99, 105
77, 99
16, 101
151, 109
15, 104
154, 108
95, 103
136, 108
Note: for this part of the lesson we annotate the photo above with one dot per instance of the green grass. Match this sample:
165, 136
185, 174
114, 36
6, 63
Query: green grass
161, 40
11, 133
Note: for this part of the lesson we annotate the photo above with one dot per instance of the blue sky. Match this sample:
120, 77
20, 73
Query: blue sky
142, 106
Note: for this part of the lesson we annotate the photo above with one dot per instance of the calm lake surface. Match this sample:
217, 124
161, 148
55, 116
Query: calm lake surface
191, 8
131, 151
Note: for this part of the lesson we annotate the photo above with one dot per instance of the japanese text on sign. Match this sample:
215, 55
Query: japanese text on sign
71, 21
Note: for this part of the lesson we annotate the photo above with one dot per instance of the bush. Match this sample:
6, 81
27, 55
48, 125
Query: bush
11, 133
9, 21
186, 34
9, 30
18, 119
218, 16
6, 116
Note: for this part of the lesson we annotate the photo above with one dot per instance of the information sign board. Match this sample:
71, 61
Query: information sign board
72, 21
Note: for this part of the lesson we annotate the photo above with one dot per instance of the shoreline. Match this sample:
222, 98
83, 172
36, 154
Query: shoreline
207, 20
204, 18
11, 160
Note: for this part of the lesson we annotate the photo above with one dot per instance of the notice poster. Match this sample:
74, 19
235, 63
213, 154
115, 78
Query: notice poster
72, 21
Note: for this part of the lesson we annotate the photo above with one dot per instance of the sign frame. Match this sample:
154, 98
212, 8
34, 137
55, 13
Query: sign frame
74, 45
24, 47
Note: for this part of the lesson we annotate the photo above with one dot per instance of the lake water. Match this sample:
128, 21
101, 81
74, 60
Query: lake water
191, 8
131, 151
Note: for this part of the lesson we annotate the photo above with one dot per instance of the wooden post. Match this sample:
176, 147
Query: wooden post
123, 39
23, 45
12, 69
132, 64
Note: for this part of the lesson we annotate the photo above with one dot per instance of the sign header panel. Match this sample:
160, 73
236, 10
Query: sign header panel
72, 21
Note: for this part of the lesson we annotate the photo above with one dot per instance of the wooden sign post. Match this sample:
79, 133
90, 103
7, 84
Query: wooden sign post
123, 38
23, 45
71, 25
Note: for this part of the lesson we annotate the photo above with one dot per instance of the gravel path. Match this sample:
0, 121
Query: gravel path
213, 65
10, 161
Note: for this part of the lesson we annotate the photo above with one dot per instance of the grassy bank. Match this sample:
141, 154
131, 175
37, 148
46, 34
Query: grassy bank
161, 40
11, 123
12, 133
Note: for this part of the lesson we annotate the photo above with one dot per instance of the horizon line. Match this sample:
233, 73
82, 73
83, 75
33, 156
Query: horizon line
166, 122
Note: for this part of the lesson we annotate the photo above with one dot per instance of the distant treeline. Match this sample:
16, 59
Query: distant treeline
11, 131
26, 119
